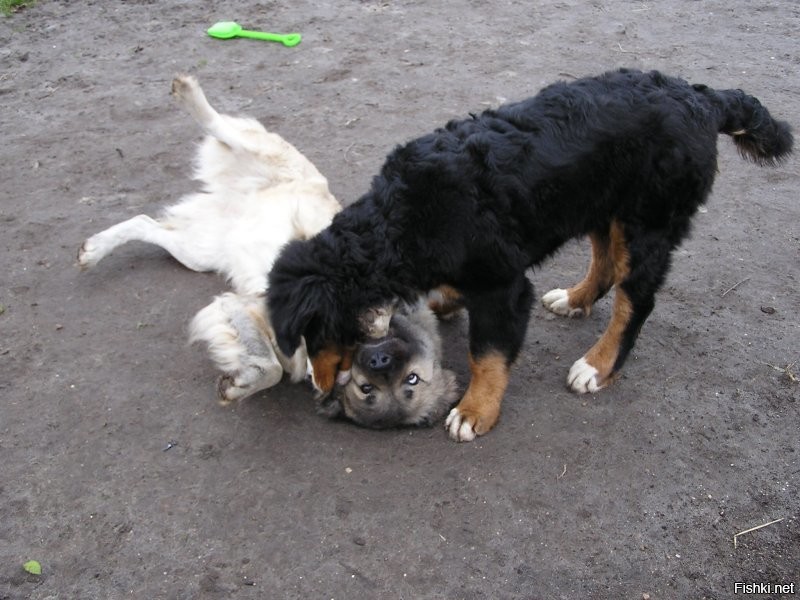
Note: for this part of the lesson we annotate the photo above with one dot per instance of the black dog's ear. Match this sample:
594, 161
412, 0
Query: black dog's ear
329, 406
290, 324
298, 298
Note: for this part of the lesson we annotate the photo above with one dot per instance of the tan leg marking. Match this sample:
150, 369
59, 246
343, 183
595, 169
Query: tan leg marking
599, 277
595, 369
577, 301
479, 409
603, 354
327, 364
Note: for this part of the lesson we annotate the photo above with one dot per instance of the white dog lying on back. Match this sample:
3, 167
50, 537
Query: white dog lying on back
259, 192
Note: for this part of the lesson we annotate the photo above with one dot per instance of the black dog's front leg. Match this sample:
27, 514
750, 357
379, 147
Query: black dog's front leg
498, 319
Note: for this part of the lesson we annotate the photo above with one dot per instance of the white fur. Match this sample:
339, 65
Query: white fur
241, 343
459, 428
582, 377
259, 192
557, 301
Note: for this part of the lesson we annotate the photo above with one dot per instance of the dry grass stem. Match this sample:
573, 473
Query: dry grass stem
757, 527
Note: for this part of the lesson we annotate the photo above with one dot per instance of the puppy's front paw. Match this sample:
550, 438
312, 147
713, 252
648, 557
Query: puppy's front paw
228, 391
584, 378
557, 301
460, 427
233, 387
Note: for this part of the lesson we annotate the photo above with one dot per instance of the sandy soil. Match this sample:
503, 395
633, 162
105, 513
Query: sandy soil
123, 477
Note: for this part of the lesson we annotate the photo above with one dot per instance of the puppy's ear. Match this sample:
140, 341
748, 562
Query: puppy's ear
329, 406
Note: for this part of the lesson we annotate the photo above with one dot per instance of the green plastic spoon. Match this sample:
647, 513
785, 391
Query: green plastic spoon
227, 29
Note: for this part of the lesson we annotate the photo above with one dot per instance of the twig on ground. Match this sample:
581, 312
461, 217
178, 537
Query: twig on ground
621, 49
786, 371
757, 527
346, 151
735, 285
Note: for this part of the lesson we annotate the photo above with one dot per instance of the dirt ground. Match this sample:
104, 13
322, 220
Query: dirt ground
122, 476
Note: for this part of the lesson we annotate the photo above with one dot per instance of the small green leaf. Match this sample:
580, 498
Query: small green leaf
33, 567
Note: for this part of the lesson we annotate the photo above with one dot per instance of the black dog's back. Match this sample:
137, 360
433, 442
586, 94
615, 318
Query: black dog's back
629, 100
560, 164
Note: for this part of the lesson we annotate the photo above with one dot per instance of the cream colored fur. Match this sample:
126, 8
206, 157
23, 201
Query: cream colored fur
258, 193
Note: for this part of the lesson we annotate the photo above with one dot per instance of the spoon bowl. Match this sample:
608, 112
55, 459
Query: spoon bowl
225, 30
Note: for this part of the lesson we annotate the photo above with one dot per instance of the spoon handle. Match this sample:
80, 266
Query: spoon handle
287, 39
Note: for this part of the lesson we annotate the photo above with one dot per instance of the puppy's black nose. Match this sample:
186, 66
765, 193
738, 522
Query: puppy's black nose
380, 361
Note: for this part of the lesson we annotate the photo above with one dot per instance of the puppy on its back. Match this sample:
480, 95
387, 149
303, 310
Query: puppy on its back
259, 192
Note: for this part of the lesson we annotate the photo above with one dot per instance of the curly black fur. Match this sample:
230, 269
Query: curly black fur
474, 204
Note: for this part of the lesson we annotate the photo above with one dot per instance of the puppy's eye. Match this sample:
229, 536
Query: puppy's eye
365, 388
412, 379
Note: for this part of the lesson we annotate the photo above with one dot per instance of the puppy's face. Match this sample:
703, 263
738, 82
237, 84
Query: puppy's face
395, 380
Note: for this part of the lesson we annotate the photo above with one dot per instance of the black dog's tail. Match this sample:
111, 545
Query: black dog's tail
757, 135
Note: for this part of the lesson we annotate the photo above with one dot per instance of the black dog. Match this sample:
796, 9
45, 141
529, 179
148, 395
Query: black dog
625, 158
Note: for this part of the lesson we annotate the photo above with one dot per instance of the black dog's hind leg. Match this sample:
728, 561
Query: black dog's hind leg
640, 265
577, 301
497, 323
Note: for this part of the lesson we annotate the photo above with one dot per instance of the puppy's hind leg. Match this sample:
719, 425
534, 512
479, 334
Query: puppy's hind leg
188, 93
143, 229
577, 301
139, 228
101, 244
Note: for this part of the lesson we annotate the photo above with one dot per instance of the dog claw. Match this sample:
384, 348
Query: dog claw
459, 427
